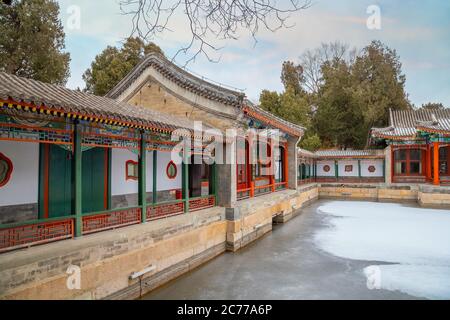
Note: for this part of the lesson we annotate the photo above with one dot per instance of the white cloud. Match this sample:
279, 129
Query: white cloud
255, 67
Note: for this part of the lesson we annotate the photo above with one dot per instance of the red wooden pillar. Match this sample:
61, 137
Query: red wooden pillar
428, 162
251, 164
436, 163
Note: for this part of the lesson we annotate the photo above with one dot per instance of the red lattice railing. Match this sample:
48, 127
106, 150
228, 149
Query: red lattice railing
35, 233
201, 203
243, 194
164, 210
111, 219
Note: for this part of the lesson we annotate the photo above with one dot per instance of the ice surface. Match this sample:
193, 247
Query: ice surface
415, 241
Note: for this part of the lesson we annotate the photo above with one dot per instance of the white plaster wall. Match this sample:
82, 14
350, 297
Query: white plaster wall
321, 173
341, 168
149, 172
23, 185
163, 182
377, 163
119, 185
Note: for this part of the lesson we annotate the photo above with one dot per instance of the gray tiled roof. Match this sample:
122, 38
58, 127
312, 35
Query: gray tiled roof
405, 123
336, 154
31, 91
180, 77
274, 120
197, 85
306, 153
349, 153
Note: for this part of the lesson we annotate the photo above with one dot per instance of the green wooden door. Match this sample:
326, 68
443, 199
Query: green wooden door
94, 180
56, 182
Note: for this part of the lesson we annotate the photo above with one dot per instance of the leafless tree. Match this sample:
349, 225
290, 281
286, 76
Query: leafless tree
209, 19
311, 62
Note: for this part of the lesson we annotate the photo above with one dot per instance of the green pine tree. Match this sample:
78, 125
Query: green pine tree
113, 64
32, 41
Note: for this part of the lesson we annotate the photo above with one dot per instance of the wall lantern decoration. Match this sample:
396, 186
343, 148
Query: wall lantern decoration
349, 168
131, 170
371, 169
6, 168
326, 168
171, 170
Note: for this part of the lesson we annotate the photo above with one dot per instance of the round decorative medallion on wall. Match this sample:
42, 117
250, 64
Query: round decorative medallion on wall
6, 168
326, 168
171, 170
371, 169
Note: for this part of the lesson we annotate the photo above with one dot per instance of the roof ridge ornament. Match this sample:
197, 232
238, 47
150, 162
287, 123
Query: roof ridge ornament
434, 119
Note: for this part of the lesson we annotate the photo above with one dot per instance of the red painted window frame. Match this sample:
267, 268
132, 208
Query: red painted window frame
408, 162
243, 181
167, 170
446, 160
127, 176
10, 170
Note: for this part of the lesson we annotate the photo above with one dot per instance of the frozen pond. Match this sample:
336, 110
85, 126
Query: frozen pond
334, 250
416, 241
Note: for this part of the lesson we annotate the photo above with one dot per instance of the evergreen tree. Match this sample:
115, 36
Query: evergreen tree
339, 119
311, 142
287, 105
379, 83
113, 64
291, 77
348, 93
32, 41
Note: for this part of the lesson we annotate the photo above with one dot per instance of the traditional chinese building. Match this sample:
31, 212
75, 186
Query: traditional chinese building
418, 148
158, 84
114, 173
343, 166
72, 163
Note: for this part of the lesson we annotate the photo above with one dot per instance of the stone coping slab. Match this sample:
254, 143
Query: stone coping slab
134, 236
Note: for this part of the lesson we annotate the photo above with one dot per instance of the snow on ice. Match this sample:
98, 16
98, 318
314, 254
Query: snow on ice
414, 244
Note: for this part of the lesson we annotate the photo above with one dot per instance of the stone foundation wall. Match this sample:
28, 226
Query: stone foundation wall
252, 218
173, 246
306, 195
18, 213
362, 192
434, 197
132, 199
374, 192
108, 259
397, 193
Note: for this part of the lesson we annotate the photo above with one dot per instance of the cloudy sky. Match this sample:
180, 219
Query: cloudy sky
418, 29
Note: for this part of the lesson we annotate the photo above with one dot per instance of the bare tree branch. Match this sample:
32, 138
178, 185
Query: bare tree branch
312, 61
209, 19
